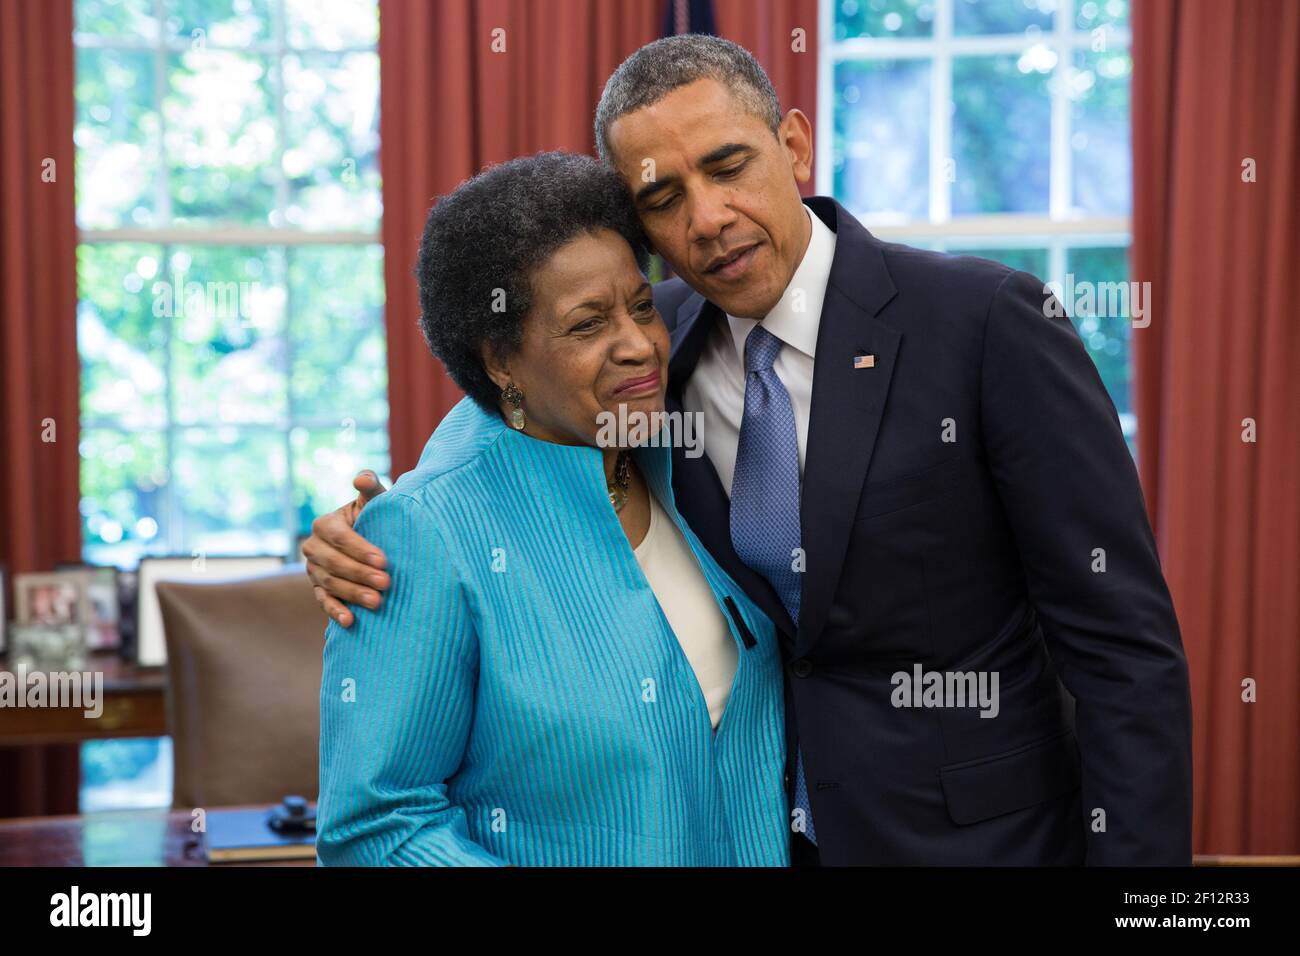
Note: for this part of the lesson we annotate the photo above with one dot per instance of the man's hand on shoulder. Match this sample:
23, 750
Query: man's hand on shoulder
344, 567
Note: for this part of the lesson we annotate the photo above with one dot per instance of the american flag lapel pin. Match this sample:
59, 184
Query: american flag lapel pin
864, 361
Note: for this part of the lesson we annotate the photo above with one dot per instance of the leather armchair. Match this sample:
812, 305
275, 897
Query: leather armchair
243, 690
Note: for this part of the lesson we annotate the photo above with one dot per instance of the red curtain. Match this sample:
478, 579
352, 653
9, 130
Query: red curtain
782, 34
39, 404
1216, 231
450, 105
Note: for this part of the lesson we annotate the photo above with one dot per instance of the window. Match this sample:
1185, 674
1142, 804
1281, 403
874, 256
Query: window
997, 128
230, 317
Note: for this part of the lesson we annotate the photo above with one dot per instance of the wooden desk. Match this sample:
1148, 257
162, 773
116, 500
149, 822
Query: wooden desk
164, 838
113, 838
134, 706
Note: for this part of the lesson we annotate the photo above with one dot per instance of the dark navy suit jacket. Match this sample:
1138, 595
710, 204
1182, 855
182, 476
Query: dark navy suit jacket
960, 499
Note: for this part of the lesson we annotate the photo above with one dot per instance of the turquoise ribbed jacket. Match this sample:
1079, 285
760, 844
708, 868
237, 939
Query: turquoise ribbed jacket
519, 696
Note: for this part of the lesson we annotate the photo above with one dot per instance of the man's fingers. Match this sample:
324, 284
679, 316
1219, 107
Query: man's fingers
333, 608
334, 530
342, 590
342, 577
368, 483
349, 569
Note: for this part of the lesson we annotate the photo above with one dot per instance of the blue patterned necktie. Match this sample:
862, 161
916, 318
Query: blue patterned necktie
765, 494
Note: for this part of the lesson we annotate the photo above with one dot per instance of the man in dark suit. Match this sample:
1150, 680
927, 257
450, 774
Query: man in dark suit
912, 465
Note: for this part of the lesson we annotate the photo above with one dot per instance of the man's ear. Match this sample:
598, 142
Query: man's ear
796, 135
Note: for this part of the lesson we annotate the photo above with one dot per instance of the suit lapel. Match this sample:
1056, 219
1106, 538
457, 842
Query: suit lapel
848, 403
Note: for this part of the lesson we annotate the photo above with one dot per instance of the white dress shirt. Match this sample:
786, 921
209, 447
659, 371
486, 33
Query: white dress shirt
717, 386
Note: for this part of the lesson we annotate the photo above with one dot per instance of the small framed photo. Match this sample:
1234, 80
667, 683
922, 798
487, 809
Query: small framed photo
103, 627
51, 599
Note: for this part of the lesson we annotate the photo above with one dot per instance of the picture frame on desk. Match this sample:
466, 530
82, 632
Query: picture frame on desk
150, 643
103, 627
54, 599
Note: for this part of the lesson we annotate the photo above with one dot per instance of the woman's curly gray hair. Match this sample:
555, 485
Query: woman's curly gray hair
483, 241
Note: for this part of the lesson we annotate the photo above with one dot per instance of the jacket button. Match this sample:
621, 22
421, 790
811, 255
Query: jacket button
802, 667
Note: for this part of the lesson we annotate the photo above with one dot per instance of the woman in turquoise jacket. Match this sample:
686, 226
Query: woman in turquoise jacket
560, 673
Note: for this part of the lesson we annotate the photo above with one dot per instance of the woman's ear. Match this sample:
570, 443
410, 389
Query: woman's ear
497, 369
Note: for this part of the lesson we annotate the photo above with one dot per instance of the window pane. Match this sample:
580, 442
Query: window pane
883, 18
1033, 261
122, 479
126, 19
336, 295
1099, 298
325, 460
333, 25
1001, 16
332, 140
882, 137
228, 23
227, 356
116, 136
121, 343
1090, 14
229, 491
1001, 133
220, 138
1099, 137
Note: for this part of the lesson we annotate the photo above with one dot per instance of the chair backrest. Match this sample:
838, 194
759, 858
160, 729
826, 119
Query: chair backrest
243, 689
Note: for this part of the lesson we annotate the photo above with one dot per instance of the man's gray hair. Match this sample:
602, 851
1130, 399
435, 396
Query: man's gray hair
658, 68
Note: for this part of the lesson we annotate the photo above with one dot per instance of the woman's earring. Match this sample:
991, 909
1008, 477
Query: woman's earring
515, 397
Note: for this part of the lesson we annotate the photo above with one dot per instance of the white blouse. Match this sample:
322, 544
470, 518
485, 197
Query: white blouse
684, 595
